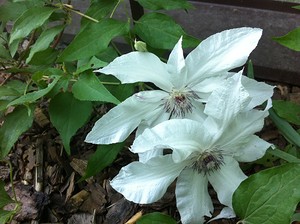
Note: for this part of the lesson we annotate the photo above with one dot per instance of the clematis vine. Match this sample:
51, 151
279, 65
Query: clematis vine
202, 152
184, 84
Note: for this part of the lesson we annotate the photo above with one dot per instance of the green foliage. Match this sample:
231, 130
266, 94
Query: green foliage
287, 110
89, 88
156, 218
87, 44
290, 40
285, 128
166, 4
103, 157
14, 125
33, 96
162, 32
270, 196
30, 20
5, 199
44, 40
67, 115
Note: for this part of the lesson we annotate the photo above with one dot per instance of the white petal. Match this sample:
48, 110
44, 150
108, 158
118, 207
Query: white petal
145, 156
176, 66
119, 122
147, 183
258, 91
192, 198
139, 67
226, 180
227, 101
207, 86
226, 213
241, 129
221, 52
253, 150
198, 112
183, 136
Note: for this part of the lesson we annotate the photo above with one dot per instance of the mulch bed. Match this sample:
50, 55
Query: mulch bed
56, 196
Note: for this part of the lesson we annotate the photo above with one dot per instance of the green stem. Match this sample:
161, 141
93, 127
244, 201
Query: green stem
115, 8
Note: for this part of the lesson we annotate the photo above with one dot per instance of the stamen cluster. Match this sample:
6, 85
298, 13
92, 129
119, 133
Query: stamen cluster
180, 102
208, 162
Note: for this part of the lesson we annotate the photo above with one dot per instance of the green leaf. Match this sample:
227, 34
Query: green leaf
120, 91
14, 125
283, 155
67, 115
33, 96
103, 156
296, 7
13, 47
93, 63
93, 39
89, 87
98, 10
290, 40
285, 128
11, 11
45, 57
5, 199
44, 40
166, 4
156, 218
5, 216
287, 110
270, 196
161, 31
30, 20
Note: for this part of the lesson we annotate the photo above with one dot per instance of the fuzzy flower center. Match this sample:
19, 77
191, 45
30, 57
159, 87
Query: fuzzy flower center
179, 102
208, 162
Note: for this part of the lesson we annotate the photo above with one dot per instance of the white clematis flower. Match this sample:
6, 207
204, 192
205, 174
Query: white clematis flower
201, 153
185, 83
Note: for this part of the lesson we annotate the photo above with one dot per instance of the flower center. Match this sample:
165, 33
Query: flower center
208, 162
179, 102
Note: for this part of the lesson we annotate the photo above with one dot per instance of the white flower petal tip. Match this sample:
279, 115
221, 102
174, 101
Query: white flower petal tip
145, 183
226, 213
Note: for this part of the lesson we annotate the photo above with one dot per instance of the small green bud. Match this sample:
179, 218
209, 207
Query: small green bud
140, 46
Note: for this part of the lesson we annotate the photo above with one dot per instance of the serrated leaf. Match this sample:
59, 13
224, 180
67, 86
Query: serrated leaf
93, 39
44, 40
103, 157
287, 110
67, 115
161, 31
30, 20
291, 40
270, 196
14, 125
99, 10
156, 218
166, 4
89, 87
5, 199
33, 96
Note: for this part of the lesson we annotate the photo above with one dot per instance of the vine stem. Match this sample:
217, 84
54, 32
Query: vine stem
115, 8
